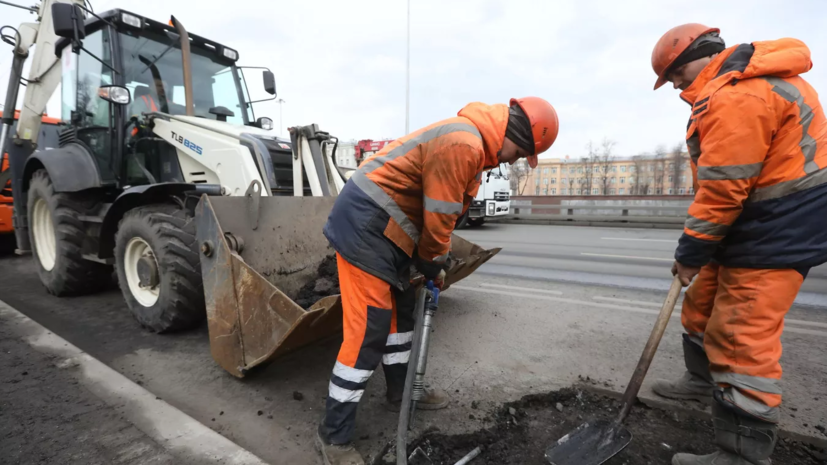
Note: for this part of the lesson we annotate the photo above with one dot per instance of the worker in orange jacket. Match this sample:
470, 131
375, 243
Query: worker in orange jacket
399, 209
757, 137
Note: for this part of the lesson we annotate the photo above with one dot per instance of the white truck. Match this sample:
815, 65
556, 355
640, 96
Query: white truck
492, 200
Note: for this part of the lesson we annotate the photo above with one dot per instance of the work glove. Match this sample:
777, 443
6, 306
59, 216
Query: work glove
428, 268
439, 281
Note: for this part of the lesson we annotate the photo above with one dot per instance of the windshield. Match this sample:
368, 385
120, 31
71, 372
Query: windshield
153, 74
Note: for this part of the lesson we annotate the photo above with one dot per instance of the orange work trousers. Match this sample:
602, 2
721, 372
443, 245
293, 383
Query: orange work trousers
378, 327
737, 315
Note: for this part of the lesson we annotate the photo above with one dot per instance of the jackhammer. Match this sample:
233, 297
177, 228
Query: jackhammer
427, 300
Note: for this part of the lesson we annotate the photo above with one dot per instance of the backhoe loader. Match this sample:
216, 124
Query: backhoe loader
163, 172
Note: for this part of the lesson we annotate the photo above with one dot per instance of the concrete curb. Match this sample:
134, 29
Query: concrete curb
705, 414
172, 429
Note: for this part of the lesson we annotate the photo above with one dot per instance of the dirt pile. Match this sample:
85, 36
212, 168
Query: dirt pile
522, 431
325, 284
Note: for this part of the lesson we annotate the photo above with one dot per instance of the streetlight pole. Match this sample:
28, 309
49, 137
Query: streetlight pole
408, 76
280, 101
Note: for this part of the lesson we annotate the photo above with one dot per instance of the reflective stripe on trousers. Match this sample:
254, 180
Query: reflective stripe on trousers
739, 314
375, 331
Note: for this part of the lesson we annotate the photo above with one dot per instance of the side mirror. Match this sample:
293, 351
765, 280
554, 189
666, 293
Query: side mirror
68, 21
264, 123
114, 94
269, 82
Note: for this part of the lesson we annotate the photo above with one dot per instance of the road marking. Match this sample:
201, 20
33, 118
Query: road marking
627, 256
675, 314
529, 289
171, 428
671, 241
559, 299
805, 323
633, 302
814, 324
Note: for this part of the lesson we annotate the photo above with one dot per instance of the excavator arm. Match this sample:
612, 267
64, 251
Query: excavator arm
44, 74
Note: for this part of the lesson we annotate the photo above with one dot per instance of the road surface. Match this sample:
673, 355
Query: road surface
629, 258
558, 305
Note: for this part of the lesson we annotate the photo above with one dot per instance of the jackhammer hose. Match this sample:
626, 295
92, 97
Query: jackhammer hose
407, 394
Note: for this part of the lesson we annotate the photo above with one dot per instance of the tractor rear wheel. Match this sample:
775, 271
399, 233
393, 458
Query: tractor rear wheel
56, 233
158, 267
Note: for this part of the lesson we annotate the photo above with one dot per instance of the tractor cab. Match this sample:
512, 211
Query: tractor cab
128, 67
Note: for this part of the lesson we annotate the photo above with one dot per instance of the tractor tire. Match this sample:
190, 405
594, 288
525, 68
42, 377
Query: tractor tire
159, 269
7, 244
56, 233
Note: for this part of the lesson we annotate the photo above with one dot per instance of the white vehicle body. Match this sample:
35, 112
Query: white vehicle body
493, 197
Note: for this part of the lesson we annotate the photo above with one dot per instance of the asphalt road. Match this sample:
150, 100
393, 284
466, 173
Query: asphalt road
541, 316
628, 258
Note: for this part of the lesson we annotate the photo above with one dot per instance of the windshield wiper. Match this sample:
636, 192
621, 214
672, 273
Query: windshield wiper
175, 38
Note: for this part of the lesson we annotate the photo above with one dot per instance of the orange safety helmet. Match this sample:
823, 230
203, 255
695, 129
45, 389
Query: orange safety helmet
544, 124
673, 44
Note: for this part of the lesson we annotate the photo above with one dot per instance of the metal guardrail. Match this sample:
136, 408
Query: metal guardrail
526, 210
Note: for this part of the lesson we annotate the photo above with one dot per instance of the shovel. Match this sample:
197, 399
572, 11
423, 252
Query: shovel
596, 442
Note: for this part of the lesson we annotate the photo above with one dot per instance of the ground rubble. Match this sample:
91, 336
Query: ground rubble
325, 284
521, 431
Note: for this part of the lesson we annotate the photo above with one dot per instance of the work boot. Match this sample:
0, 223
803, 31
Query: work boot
741, 440
696, 383
433, 399
338, 454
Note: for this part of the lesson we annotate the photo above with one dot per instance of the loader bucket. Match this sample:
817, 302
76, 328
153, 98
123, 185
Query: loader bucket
256, 253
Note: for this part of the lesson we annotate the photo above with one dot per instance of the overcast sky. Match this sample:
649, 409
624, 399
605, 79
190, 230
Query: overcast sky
341, 64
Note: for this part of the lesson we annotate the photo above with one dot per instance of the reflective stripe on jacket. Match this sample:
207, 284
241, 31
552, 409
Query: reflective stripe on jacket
757, 138
406, 198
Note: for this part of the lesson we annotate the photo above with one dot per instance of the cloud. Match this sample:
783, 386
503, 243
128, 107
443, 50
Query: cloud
342, 64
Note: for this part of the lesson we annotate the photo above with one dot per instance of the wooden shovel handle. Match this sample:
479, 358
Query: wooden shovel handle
649, 351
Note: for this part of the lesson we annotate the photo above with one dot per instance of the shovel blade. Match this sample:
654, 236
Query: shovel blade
419, 457
590, 444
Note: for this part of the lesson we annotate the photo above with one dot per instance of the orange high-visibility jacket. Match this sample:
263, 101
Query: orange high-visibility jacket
405, 199
757, 138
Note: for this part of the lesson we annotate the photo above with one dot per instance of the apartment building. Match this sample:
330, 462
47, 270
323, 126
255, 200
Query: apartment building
641, 175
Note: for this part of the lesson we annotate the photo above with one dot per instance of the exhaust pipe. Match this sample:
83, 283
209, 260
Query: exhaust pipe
186, 64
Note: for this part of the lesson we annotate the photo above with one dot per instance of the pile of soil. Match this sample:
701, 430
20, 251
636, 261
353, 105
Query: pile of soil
325, 284
522, 431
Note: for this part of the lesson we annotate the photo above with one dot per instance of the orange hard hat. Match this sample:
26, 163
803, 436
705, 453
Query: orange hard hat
676, 41
544, 124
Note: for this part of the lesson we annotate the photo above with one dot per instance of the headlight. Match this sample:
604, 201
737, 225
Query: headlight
131, 20
230, 53
491, 208
114, 94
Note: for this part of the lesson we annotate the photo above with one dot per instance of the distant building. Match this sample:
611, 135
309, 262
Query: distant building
345, 154
641, 175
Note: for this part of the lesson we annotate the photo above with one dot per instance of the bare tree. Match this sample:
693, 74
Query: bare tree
591, 162
659, 165
569, 178
676, 159
602, 158
641, 185
518, 176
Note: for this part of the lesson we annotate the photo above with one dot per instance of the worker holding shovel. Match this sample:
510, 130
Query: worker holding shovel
757, 137
400, 209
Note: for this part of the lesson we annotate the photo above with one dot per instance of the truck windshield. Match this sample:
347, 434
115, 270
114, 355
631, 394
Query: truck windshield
153, 73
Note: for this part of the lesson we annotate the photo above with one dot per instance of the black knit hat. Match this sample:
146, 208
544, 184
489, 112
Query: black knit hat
519, 129
704, 46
